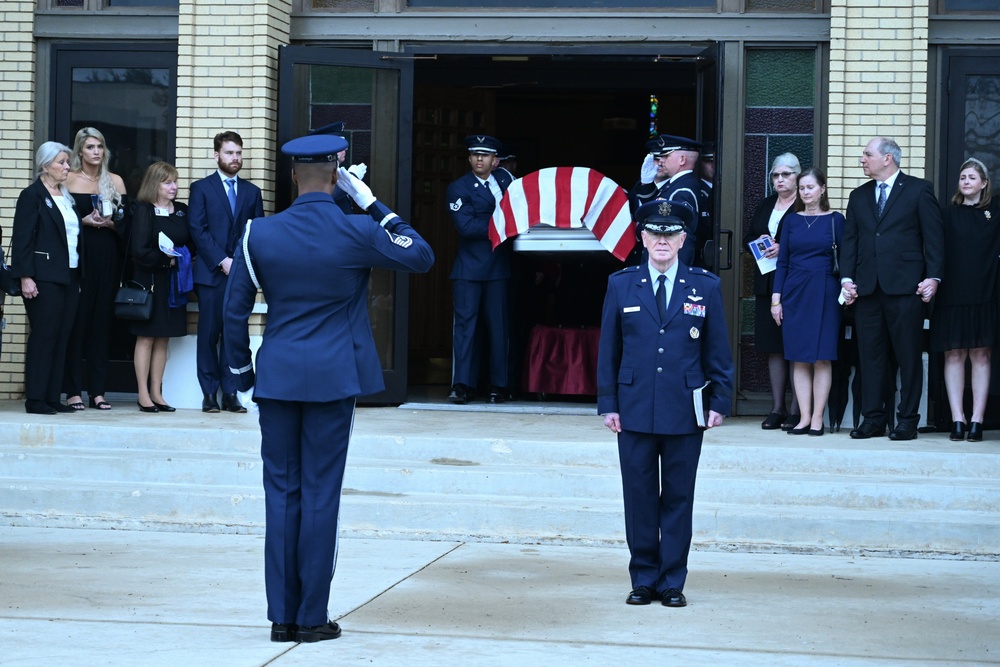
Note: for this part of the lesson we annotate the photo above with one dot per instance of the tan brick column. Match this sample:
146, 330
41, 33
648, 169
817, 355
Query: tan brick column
227, 65
17, 106
878, 86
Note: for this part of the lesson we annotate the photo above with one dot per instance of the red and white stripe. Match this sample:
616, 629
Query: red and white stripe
567, 197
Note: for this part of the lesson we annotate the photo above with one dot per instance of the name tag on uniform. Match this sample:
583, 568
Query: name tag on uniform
631, 309
694, 309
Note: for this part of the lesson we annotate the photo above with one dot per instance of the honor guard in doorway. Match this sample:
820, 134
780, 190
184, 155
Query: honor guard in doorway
480, 275
663, 344
668, 172
221, 203
313, 264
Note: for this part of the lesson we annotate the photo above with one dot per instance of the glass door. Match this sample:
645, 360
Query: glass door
128, 93
372, 93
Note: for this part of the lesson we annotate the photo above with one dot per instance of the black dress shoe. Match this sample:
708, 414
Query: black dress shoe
498, 395
817, 431
975, 432
798, 431
144, 408
231, 403
163, 407
773, 421
790, 423
460, 394
867, 430
958, 431
283, 632
672, 597
641, 595
209, 404
317, 633
59, 407
903, 433
38, 408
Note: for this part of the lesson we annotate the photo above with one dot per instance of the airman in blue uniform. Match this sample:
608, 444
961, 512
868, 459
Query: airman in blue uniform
313, 264
663, 336
481, 275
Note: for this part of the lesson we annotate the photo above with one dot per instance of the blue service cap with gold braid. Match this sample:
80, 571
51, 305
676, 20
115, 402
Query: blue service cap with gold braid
481, 143
665, 217
668, 143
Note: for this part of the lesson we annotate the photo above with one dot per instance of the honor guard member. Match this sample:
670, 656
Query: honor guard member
481, 275
663, 336
668, 173
313, 264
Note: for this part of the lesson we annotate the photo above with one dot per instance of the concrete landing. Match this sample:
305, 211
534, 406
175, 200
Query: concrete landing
90, 598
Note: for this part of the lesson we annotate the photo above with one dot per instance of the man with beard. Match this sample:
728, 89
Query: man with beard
220, 205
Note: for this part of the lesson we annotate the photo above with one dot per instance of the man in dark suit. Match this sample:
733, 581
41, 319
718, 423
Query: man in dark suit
481, 275
318, 354
891, 261
668, 172
220, 206
663, 336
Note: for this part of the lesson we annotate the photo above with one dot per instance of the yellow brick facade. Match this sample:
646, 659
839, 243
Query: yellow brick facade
878, 86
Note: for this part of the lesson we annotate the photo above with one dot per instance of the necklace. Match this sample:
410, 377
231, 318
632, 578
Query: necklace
92, 179
811, 220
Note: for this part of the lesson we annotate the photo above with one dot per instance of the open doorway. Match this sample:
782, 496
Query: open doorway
550, 110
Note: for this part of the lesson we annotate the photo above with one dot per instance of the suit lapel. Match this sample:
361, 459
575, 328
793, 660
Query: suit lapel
55, 215
220, 191
646, 296
894, 195
681, 289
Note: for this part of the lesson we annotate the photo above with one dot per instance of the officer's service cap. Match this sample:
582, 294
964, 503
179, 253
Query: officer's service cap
708, 152
665, 217
333, 128
480, 143
668, 143
314, 148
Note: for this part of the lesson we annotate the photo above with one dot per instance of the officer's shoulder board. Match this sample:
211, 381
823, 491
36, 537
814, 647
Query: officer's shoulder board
705, 274
625, 271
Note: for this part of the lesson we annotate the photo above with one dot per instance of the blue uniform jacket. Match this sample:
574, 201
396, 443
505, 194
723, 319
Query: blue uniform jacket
647, 370
471, 205
313, 264
214, 230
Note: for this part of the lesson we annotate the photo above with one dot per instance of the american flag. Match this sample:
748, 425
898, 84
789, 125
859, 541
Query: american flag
567, 197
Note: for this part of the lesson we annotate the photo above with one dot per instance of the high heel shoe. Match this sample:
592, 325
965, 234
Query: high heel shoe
145, 408
958, 431
975, 432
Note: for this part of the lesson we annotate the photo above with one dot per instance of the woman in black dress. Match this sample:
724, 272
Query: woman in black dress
965, 312
156, 212
104, 211
766, 223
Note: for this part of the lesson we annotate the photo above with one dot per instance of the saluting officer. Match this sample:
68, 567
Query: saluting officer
313, 263
663, 336
668, 173
481, 275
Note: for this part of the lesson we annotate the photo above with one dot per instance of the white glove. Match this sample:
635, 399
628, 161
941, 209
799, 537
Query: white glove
355, 188
246, 400
359, 170
648, 172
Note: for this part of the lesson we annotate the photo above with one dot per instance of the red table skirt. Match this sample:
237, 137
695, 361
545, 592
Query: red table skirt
562, 361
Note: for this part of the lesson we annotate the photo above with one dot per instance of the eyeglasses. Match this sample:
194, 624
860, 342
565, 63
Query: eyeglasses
782, 174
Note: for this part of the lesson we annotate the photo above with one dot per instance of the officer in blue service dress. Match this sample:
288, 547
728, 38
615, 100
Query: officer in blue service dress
668, 172
663, 336
318, 354
481, 275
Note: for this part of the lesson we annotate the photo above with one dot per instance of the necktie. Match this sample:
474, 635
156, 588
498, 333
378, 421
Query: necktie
231, 183
494, 188
881, 197
661, 297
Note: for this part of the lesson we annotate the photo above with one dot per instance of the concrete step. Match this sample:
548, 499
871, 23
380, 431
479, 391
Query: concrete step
527, 478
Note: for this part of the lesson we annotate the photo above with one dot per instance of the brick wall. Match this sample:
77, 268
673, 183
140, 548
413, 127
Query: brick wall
17, 145
878, 86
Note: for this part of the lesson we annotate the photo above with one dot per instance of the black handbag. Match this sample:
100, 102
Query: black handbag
8, 283
133, 302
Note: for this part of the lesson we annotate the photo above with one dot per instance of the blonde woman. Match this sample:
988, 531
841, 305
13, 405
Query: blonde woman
104, 211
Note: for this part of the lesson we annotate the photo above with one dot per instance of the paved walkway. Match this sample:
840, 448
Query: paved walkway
104, 597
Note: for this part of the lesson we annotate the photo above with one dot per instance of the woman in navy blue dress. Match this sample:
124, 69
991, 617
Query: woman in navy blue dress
804, 302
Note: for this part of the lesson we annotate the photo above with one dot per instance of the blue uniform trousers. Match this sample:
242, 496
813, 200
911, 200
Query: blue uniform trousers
658, 479
477, 300
212, 368
304, 449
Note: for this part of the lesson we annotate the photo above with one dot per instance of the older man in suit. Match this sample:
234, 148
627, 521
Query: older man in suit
318, 354
891, 261
481, 275
663, 337
220, 206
